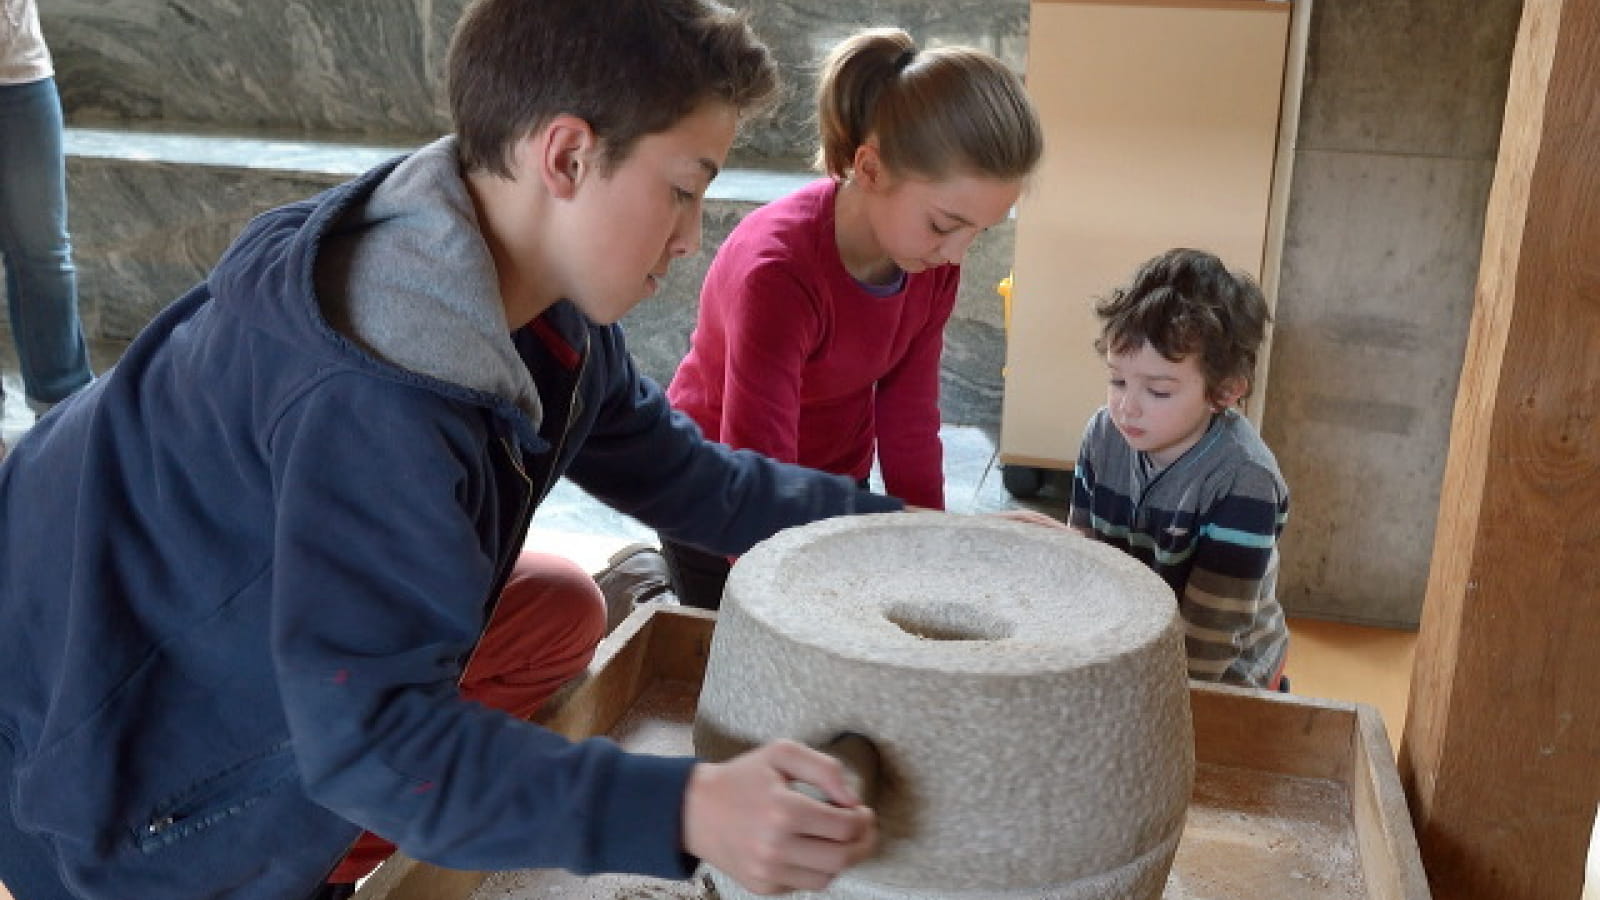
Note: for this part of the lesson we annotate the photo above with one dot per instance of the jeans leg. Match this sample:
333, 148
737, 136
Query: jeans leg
41, 281
698, 577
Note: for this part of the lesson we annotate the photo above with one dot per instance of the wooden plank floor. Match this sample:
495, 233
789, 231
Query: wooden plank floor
1353, 663
1373, 665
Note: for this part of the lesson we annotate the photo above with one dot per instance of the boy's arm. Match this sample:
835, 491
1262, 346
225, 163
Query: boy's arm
379, 587
906, 410
1079, 509
649, 461
1079, 517
1234, 627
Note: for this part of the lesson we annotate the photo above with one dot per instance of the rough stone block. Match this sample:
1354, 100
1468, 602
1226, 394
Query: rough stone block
1026, 689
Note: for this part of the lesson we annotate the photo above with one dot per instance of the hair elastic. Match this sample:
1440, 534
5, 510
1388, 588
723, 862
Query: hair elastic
904, 59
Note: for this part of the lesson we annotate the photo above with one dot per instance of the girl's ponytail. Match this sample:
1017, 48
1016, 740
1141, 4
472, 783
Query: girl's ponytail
932, 112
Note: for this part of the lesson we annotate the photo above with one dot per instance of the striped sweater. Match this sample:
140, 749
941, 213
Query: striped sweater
1209, 525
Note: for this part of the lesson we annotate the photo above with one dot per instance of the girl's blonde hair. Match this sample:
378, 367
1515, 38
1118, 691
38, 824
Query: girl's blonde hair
933, 113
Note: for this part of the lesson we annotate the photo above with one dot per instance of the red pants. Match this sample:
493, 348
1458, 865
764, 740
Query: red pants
543, 634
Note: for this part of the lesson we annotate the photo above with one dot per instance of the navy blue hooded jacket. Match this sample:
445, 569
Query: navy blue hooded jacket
241, 573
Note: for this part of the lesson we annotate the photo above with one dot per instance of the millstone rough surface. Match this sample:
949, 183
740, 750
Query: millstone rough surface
1026, 688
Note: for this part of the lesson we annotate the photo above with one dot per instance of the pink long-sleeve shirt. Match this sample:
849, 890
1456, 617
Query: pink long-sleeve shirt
794, 358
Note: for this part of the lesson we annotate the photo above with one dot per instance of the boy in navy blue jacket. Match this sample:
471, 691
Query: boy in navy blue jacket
242, 575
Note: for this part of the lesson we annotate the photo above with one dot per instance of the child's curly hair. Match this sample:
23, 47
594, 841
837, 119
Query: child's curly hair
1185, 302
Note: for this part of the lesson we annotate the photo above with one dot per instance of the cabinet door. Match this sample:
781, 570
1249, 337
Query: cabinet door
1161, 131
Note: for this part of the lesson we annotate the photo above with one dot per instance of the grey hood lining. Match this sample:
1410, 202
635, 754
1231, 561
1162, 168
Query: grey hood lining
408, 277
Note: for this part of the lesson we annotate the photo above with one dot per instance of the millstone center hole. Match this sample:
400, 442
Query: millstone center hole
948, 621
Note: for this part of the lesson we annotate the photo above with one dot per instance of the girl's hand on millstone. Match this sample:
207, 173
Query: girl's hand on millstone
745, 818
1031, 517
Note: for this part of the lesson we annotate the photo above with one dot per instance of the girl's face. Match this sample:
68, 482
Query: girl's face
921, 223
1161, 407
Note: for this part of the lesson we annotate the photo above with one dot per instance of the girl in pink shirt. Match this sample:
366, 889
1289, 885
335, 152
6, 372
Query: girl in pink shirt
822, 316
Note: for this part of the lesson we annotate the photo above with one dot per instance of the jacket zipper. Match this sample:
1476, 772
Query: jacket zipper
572, 415
504, 571
528, 504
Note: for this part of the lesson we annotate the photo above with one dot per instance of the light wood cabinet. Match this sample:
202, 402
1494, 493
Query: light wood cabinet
1162, 129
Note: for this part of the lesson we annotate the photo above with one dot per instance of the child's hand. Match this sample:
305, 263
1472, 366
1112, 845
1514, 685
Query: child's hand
745, 817
1030, 517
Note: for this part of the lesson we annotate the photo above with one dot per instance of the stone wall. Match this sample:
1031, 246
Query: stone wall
368, 68
372, 69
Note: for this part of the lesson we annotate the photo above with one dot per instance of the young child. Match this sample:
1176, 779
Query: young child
822, 317
247, 576
1171, 473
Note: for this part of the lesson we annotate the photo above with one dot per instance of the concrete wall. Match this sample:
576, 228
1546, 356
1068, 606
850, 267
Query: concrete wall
1399, 128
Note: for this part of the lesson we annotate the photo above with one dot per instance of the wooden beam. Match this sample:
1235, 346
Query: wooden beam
1501, 750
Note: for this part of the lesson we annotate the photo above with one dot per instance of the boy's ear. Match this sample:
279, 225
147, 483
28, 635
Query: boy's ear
1230, 391
560, 154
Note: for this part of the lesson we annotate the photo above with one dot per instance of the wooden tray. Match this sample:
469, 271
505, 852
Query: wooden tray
1294, 798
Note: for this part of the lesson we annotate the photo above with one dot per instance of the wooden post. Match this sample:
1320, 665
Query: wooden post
1501, 750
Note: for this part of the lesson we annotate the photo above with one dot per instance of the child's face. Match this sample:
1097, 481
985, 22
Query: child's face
1161, 407
635, 220
922, 224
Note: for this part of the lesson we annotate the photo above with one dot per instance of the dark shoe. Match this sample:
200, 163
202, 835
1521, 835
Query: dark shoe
343, 890
635, 574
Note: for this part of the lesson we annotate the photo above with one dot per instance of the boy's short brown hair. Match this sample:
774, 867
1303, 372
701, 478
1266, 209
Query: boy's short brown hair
1188, 302
629, 68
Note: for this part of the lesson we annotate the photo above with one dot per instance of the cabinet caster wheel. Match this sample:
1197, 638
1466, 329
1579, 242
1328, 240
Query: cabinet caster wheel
1022, 482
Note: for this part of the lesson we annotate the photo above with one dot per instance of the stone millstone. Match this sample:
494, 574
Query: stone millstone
1026, 688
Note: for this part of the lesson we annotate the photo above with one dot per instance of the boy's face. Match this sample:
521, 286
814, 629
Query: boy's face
922, 224
626, 226
1161, 407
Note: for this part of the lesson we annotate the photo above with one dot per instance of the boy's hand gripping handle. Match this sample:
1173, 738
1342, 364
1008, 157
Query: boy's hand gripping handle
862, 762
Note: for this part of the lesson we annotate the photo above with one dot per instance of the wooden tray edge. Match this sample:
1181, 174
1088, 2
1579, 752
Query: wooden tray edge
1280, 733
